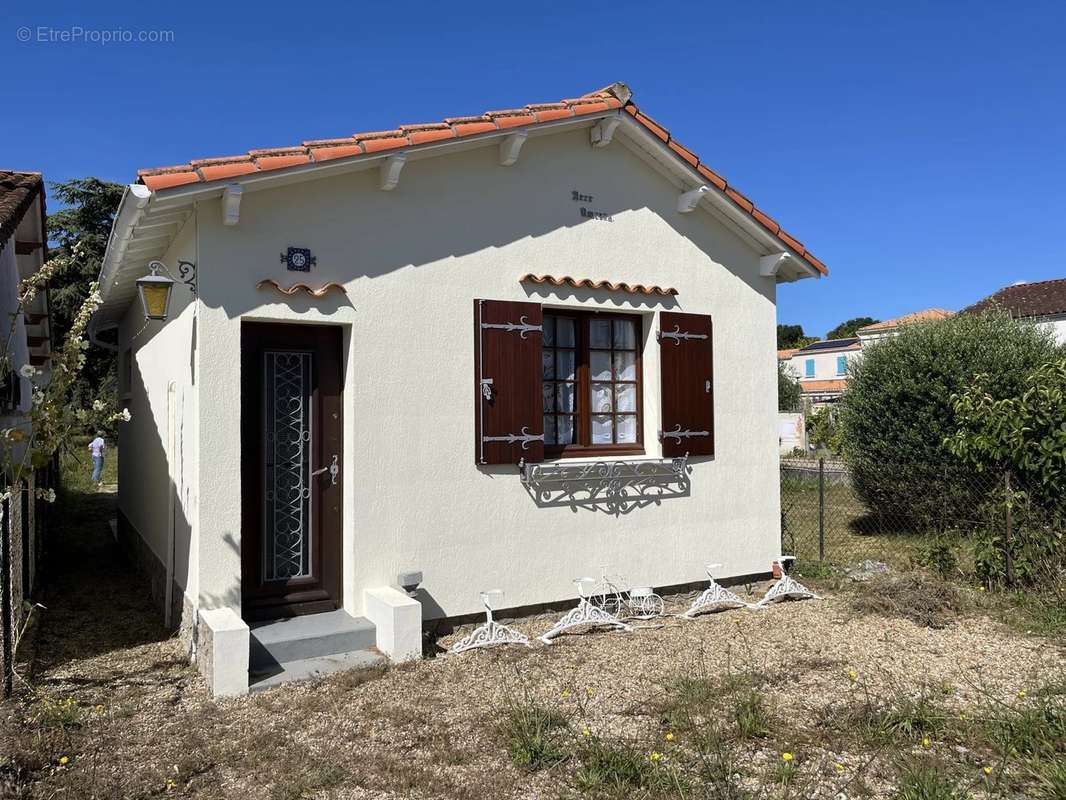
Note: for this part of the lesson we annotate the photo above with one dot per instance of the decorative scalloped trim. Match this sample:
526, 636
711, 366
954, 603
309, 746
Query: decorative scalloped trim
321, 291
585, 283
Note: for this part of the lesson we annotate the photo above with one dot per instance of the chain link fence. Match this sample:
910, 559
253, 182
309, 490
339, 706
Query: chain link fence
842, 514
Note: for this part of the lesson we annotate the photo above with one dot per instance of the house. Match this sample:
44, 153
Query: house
871, 334
23, 242
1042, 303
821, 368
497, 351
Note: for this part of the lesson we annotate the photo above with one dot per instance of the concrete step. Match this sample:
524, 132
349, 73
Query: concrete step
308, 668
312, 636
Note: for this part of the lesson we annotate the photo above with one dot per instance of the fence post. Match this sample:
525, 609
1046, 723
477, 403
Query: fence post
821, 509
1008, 559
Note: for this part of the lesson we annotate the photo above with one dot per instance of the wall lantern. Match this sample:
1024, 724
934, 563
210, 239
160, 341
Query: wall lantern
155, 291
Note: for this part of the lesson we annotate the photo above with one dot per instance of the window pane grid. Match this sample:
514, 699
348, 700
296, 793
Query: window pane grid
559, 364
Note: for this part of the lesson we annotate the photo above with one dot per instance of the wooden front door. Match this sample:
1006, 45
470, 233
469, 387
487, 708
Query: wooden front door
291, 469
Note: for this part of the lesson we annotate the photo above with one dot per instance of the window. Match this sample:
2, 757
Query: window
592, 383
842, 365
809, 367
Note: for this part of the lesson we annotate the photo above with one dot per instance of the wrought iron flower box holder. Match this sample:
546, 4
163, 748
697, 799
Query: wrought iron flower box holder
714, 598
621, 484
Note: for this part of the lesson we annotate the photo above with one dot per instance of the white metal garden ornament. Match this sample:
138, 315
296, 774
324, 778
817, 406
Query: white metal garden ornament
786, 588
714, 598
586, 613
490, 632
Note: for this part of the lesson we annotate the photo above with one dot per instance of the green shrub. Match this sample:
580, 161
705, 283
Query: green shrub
788, 389
897, 412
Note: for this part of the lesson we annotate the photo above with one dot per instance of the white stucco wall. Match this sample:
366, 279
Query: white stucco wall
412, 260
156, 481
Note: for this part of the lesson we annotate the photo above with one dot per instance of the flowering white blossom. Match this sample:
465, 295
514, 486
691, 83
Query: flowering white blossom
84, 344
38, 397
27, 371
48, 495
126, 416
98, 405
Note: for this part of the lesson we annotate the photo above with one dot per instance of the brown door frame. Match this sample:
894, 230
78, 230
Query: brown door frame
322, 590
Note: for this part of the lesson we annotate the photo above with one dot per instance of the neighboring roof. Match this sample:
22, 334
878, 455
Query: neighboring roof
18, 190
615, 96
811, 387
586, 283
918, 316
1040, 299
831, 344
784, 355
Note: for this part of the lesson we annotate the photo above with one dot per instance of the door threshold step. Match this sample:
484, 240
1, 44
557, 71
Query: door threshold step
307, 637
309, 668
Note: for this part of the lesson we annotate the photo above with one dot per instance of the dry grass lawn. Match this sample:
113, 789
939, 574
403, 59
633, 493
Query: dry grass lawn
866, 704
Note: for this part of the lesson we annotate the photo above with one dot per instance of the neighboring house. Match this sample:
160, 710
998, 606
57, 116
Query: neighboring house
432, 355
821, 368
1042, 303
871, 334
23, 241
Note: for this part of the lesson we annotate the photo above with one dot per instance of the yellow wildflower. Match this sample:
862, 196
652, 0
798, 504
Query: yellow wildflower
839, 766
853, 675
1021, 694
786, 757
925, 741
655, 756
670, 736
588, 692
63, 761
987, 770
566, 693
586, 732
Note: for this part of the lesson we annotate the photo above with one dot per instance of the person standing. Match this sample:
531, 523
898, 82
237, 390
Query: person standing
96, 448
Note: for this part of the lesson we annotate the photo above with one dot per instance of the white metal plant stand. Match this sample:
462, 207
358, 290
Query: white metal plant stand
585, 614
714, 598
490, 632
786, 587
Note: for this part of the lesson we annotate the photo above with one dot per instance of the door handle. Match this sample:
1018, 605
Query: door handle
333, 470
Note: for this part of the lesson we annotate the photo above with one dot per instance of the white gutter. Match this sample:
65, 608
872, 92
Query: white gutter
131, 208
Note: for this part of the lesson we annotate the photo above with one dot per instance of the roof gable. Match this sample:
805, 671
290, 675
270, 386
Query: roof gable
18, 190
617, 96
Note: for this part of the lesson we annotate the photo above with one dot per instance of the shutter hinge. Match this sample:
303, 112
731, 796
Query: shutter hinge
525, 437
681, 434
677, 335
522, 326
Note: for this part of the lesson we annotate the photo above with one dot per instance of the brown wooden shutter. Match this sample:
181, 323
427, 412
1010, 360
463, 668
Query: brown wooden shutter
686, 365
509, 402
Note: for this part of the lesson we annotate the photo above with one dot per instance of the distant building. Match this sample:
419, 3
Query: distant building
821, 368
1043, 303
891, 327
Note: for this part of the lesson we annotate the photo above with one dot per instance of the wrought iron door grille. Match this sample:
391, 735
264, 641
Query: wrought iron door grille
287, 465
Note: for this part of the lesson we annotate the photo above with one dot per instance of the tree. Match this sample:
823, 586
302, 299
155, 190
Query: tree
823, 431
898, 410
788, 389
85, 222
846, 330
789, 336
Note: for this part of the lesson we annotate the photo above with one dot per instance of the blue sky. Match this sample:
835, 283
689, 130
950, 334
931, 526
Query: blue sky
916, 148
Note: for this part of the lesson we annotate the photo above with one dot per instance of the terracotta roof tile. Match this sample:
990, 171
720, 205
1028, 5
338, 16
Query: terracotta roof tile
18, 190
615, 96
586, 283
918, 316
1039, 299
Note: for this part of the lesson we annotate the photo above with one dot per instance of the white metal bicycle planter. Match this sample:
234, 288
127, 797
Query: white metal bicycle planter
586, 614
490, 633
714, 598
786, 588
638, 603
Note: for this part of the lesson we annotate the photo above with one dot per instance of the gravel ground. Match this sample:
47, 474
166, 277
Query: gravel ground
143, 725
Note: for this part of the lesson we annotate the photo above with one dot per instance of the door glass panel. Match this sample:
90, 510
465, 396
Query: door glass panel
627, 428
601, 398
625, 337
625, 366
287, 447
564, 332
566, 398
600, 333
626, 397
566, 430
564, 365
